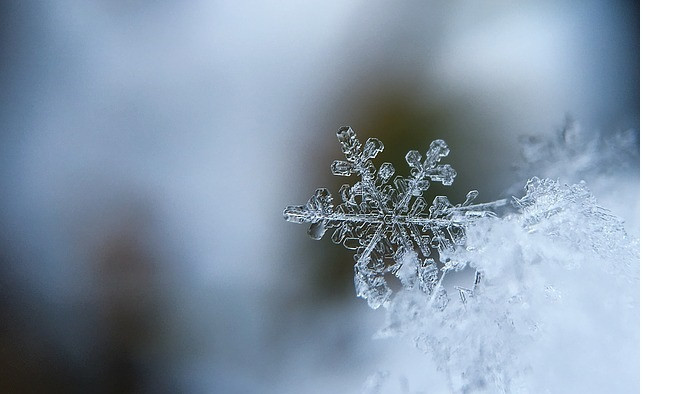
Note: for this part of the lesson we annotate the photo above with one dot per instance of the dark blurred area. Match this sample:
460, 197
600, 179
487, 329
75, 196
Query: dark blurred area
147, 150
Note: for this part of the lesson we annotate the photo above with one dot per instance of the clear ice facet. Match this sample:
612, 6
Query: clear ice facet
428, 276
413, 158
471, 196
386, 171
372, 147
341, 168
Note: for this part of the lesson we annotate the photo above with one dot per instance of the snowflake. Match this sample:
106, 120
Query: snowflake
380, 218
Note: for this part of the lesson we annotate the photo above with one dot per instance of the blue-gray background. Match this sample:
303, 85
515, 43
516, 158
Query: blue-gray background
147, 149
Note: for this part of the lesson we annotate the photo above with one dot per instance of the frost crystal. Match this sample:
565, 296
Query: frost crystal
556, 308
383, 216
559, 285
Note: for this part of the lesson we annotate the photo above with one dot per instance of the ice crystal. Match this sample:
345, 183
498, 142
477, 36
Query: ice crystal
383, 216
557, 275
560, 284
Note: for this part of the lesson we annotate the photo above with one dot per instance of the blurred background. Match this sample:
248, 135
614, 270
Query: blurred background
148, 148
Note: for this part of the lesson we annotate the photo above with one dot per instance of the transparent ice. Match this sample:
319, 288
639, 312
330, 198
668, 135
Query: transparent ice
383, 216
554, 302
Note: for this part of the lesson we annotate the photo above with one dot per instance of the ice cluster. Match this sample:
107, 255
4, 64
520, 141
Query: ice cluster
554, 304
557, 305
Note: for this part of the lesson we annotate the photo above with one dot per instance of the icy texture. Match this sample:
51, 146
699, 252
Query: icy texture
553, 305
609, 162
557, 305
383, 216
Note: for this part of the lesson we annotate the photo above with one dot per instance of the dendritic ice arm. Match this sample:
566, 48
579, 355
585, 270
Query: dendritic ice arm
383, 217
